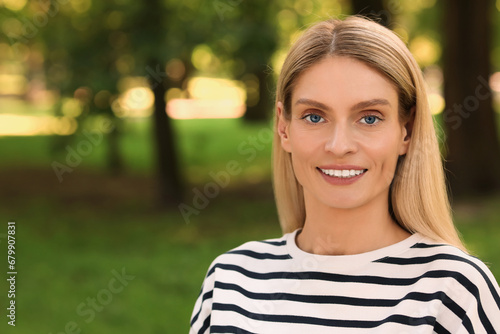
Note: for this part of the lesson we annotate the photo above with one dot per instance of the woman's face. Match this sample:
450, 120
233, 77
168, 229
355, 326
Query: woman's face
344, 134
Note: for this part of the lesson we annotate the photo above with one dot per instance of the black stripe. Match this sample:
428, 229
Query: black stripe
332, 299
274, 243
193, 319
439, 329
368, 280
206, 296
428, 259
472, 288
353, 301
260, 256
205, 326
229, 329
211, 271
396, 318
330, 277
422, 245
468, 325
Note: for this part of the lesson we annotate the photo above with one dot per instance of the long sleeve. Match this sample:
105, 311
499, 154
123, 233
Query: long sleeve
484, 308
473, 296
200, 319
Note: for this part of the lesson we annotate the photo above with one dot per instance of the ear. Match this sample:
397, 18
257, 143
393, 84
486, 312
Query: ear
407, 131
283, 127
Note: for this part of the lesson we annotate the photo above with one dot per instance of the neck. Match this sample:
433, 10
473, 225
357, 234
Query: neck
334, 231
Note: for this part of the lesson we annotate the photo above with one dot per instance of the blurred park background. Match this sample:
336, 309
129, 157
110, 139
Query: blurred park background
135, 143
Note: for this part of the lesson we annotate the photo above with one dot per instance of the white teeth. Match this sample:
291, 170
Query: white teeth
344, 173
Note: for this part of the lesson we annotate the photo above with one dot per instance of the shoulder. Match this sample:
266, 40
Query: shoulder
450, 258
432, 255
444, 263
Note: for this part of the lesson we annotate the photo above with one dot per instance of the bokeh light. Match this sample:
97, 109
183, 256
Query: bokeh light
204, 59
24, 125
81, 6
495, 82
210, 98
14, 5
425, 49
175, 69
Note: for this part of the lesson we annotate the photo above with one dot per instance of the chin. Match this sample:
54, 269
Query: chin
344, 202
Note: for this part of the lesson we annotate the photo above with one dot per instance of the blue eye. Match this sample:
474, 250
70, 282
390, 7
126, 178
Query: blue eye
313, 118
370, 119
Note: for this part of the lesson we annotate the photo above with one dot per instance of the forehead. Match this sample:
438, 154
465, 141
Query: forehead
343, 81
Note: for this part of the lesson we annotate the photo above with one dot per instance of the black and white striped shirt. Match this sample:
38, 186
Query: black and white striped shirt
414, 286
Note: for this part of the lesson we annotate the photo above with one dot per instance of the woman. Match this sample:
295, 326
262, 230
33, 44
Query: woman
370, 246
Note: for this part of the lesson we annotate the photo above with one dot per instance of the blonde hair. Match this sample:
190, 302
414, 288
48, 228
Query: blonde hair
418, 195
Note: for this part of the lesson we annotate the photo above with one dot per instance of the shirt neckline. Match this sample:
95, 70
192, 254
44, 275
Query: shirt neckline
346, 261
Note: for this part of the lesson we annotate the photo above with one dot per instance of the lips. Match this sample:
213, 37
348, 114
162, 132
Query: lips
342, 174
342, 171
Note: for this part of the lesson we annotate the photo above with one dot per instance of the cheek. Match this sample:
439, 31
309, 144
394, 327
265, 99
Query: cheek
386, 142
306, 149
384, 153
305, 143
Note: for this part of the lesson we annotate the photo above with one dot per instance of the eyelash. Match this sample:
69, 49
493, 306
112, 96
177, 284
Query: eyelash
368, 115
372, 115
312, 114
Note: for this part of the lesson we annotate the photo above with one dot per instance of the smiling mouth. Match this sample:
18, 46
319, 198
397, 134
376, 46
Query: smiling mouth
342, 173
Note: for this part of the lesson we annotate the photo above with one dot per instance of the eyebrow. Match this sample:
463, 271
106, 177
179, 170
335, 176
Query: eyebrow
359, 105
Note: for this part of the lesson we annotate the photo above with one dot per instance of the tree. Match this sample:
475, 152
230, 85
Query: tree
371, 8
149, 28
258, 43
473, 152
79, 54
250, 26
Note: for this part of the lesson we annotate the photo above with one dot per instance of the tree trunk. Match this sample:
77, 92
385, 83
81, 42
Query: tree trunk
263, 109
169, 179
373, 9
473, 155
115, 162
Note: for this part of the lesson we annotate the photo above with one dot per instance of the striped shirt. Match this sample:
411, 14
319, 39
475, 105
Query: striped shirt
414, 286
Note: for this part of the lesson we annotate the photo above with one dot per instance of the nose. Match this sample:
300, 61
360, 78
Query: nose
341, 141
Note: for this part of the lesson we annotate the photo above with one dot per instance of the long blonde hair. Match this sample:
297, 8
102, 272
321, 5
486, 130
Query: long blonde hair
418, 195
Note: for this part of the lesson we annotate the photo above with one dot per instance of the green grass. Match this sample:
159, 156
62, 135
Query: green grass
66, 255
479, 222
68, 247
